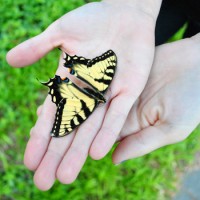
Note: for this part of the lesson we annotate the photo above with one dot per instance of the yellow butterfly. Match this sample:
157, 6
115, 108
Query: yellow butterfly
75, 104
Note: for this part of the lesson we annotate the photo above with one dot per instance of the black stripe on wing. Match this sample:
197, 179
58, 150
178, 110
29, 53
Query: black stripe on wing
61, 129
103, 57
71, 60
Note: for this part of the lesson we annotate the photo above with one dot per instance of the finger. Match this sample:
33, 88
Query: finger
33, 49
48, 157
39, 110
40, 136
112, 125
45, 174
146, 141
76, 156
40, 133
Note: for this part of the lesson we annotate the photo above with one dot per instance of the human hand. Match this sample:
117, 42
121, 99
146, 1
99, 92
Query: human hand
168, 109
128, 29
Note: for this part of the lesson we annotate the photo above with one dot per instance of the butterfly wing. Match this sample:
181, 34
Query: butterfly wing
74, 108
53, 84
97, 72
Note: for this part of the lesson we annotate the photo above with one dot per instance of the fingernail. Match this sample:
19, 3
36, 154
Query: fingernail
121, 162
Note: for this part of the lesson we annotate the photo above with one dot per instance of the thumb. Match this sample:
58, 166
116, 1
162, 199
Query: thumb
146, 141
35, 48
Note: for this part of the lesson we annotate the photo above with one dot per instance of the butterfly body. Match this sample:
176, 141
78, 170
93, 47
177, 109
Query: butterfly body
97, 95
75, 104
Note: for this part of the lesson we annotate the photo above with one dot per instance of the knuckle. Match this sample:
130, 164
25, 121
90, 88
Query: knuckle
54, 152
77, 150
89, 127
109, 130
36, 133
66, 176
141, 140
116, 113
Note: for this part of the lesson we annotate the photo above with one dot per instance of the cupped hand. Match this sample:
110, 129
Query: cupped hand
88, 31
168, 109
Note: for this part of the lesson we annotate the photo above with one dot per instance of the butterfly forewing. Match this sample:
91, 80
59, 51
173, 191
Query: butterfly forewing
97, 72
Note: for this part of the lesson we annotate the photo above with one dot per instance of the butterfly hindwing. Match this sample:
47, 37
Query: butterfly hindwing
97, 72
74, 108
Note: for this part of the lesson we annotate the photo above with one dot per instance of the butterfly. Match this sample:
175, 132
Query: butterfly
75, 104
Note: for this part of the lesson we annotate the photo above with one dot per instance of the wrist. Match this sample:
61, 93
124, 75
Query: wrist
149, 7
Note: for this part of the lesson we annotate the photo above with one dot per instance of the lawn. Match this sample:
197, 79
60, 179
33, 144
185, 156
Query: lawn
21, 93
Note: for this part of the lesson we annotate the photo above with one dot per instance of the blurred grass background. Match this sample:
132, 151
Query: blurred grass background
148, 178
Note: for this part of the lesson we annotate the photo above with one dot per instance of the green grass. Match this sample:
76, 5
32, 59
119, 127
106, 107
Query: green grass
147, 178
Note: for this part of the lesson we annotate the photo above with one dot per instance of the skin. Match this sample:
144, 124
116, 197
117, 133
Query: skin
128, 29
168, 108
